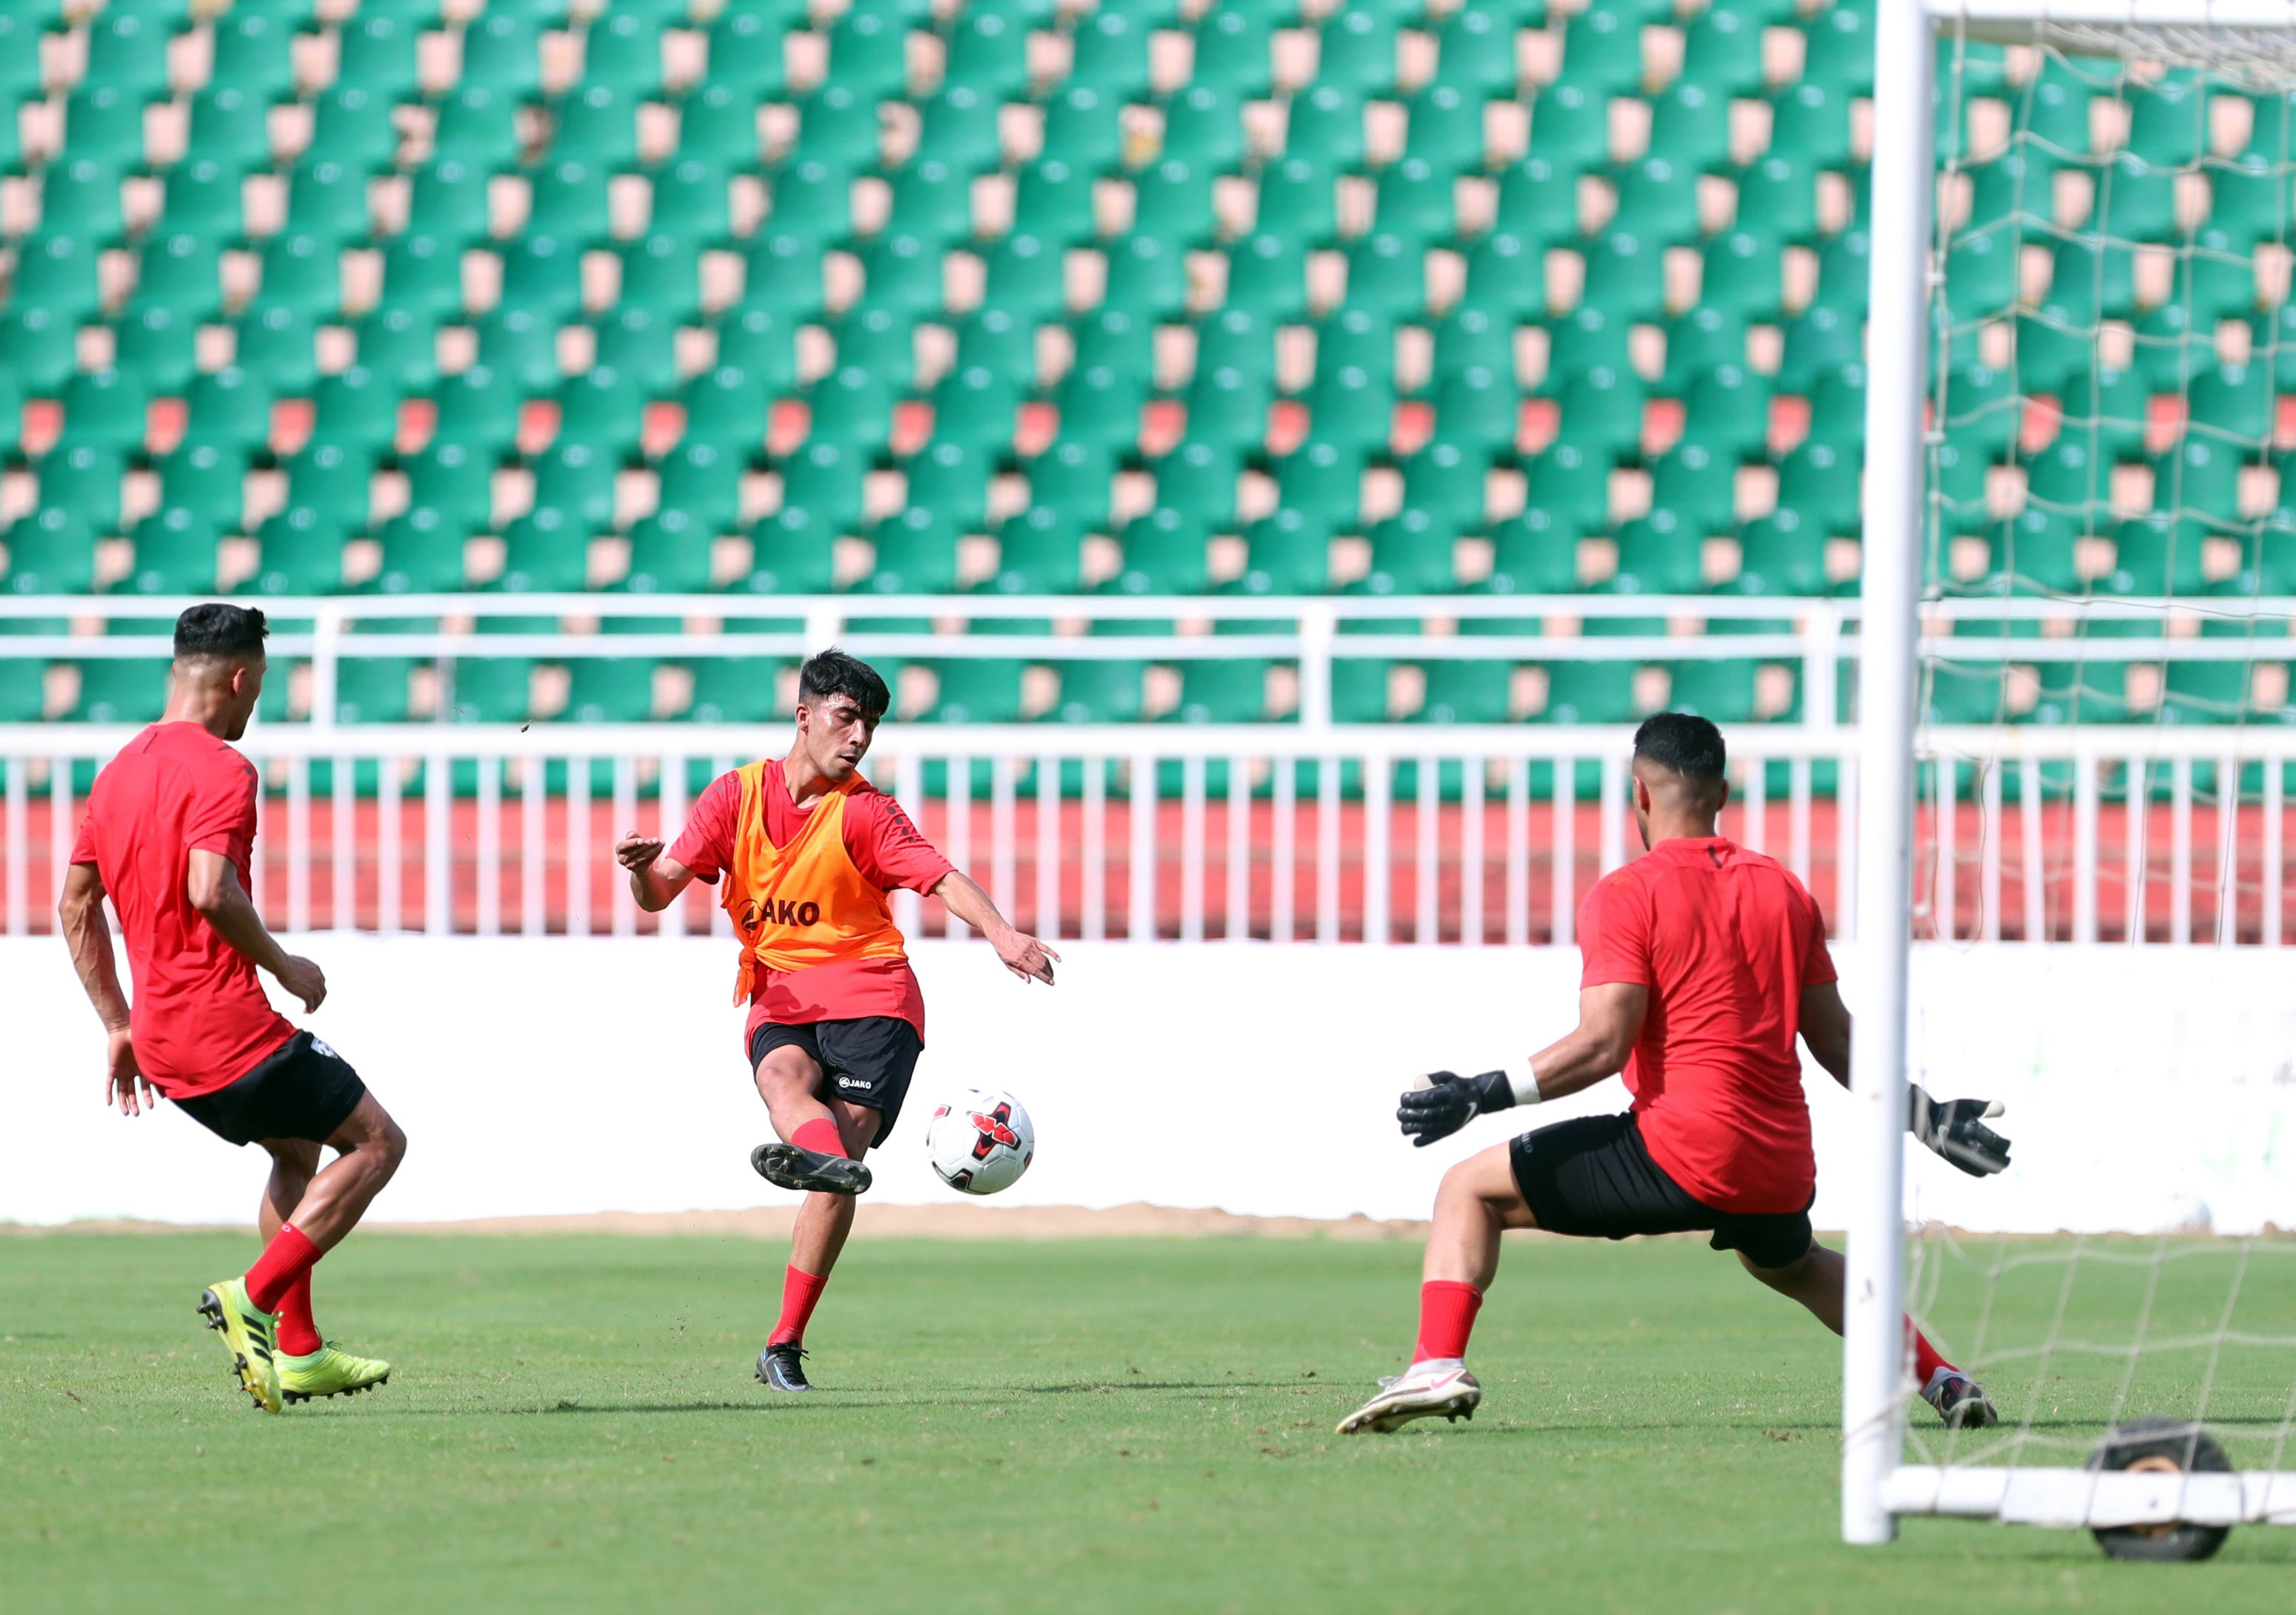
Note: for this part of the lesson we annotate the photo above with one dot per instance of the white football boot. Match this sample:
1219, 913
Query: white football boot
1434, 1386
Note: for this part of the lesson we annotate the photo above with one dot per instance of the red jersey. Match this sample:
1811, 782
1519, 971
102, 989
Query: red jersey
888, 852
1725, 939
199, 1016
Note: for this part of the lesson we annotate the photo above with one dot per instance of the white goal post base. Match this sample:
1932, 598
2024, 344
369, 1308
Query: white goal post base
2080, 1499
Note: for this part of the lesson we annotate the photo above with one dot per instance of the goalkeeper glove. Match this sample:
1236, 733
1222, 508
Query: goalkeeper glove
1955, 1130
1449, 1102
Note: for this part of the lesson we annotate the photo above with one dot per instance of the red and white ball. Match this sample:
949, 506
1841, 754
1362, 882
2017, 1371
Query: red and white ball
980, 1141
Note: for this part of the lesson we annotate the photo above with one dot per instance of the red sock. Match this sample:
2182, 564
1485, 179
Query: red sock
1926, 1361
286, 1259
297, 1335
800, 1291
819, 1135
1447, 1317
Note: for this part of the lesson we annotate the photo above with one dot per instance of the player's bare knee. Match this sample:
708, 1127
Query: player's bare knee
1786, 1278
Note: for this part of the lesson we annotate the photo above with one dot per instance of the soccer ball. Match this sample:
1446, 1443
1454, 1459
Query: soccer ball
980, 1141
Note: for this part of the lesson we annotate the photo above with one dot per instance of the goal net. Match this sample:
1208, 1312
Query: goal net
2106, 526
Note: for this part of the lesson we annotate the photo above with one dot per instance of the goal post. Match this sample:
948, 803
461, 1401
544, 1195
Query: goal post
2157, 1481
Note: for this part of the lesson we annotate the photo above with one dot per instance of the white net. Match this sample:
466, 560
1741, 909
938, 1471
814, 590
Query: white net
2105, 718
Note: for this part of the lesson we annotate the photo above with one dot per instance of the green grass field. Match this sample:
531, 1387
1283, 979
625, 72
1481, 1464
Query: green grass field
1065, 1426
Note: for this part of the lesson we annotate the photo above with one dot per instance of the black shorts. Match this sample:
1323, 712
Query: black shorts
301, 1089
1593, 1177
865, 1062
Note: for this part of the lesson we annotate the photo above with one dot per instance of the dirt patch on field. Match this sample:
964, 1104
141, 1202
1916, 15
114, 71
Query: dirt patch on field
1137, 1221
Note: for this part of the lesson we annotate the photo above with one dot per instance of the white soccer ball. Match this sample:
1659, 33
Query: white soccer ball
980, 1141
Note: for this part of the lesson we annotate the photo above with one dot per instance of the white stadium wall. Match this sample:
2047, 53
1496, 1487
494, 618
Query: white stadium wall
2145, 1088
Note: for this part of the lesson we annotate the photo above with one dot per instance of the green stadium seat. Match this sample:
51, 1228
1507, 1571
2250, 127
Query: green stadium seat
1233, 50
988, 54
1572, 484
1446, 128
1229, 406
1115, 338
595, 408
1231, 689
2198, 476
762, 344
1197, 481
1481, 405
734, 689
1084, 126
1690, 122
1722, 52
520, 346
1147, 277
230, 126
1325, 126
1204, 127
609, 689
1590, 691
57, 273
1697, 485
791, 553
1410, 554
1659, 554
202, 203
1039, 552
1023, 279
932, 200
122, 689
333, 478
1164, 553
1602, 52
422, 554
1109, 53
974, 404
1603, 411
1098, 691
175, 554
903, 274
1360, 339
356, 408
104, 408
1323, 480
1837, 408
327, 201
352, 125
1626, 274
104, 124
51, 552
377, 53
1360, 687
490, 690
728, 410
701, 482
1725, 691
1072, 477
1299, 199
1780, 555
597, 125
1537, 203
975, 690
916, 553
230, 407
1465, 692
1287, 552
2157, 554
1536, 553
1173, 202
1657, 200
1267, 275
84, 479
205, 479
577, 481
624, 50
2040, 550
641, 344
1743, 274
670, 553
852, 405
824, 480
1818, 341
23, 691
544, 551
1476, 52
1413, 201
1053, 199
951, 476
1386, 276
127, 50
571, 201
301, 554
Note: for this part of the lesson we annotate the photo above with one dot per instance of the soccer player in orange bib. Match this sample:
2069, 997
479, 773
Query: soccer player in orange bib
1704, 964
807, 852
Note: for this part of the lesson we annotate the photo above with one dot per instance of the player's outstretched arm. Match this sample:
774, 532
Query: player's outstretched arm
1955, 1129
1024, 956
212, 886
88, 935
1610, 1019
655, 881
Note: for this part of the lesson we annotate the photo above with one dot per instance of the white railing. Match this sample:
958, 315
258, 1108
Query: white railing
1313, 631
1474, 835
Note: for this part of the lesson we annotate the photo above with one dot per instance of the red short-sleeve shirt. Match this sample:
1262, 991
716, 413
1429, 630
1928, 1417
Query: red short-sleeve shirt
886, 849
1725, 939
199, 1016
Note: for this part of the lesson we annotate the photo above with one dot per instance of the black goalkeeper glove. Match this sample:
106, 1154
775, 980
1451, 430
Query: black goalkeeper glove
1955, 1130
1448, 1103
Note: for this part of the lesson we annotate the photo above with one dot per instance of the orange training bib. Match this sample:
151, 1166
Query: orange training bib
803, 904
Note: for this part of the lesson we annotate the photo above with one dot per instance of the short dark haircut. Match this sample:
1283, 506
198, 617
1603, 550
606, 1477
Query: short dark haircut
835, 672
1684, 743
218, 629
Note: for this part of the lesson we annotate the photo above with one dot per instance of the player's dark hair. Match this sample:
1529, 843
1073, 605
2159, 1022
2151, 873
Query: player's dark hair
834, 672
218, 629
1683, 743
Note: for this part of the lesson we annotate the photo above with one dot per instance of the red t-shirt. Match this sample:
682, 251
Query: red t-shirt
1725, 939
199, 1016
890, 856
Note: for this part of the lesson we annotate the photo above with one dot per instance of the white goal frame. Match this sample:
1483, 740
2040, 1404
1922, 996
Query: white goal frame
1877, 1486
